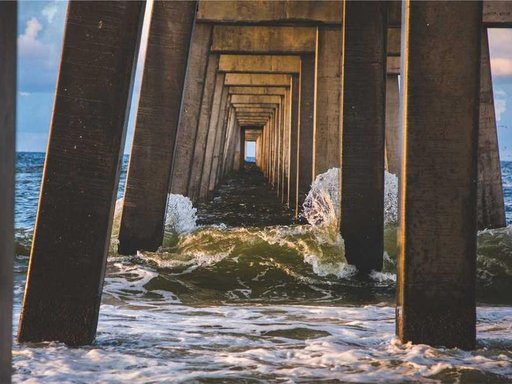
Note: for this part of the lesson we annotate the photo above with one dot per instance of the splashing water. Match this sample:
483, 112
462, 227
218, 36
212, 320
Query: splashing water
267, 304
180, 219
322, 204
181, 215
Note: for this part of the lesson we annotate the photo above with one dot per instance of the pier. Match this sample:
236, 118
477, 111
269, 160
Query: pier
316, 86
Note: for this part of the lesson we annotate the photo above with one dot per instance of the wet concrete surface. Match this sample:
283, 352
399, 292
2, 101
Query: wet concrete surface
244, 199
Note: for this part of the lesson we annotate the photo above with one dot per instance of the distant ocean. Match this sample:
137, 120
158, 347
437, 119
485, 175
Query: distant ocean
221, 304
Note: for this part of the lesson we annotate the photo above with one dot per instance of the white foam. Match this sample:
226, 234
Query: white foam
322, 204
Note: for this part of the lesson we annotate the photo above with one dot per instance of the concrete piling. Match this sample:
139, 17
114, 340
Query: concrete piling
437, 235
490, 202
190, 108
147, 185
363, 125
315, 85
307, 86
81, 173
326, 135
8, 34
200, 142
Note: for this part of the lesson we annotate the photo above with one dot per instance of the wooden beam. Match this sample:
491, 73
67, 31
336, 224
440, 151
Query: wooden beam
263, 40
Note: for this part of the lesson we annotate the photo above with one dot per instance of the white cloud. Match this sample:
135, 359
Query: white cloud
24, 94
31, 47
28, 44
501, 66
500, 45
49, 11
500, 103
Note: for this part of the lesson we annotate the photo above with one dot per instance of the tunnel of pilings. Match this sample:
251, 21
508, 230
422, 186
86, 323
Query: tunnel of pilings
314, 85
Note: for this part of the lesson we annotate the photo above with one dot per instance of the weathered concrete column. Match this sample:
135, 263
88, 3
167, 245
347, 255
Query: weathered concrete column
285, 153
490, 203
326, 137
8, 17
147, 185
294, 134
190, 108
81, 174
213, 133
437, 238
203, 128
242, 149
393, 134
363, 126
219, 141
305, 136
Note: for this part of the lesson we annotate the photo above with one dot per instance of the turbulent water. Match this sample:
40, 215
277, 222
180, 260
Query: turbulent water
222, 302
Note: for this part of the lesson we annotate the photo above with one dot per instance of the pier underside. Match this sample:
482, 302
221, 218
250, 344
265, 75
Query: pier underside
315, 86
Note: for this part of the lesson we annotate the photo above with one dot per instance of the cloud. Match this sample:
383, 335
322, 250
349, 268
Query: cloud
49, 11
501, 66
29, 45
24, 94
500, 103
501, 51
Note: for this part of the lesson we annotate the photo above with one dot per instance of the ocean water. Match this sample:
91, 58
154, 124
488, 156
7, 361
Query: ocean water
228, 303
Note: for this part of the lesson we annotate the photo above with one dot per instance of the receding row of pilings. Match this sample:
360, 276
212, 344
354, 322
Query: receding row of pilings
315, 85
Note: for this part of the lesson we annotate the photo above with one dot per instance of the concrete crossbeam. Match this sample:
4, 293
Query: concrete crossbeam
263, 40
259, 64
256, 79
269, 12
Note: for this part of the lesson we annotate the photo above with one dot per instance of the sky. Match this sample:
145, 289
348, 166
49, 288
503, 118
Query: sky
40, 32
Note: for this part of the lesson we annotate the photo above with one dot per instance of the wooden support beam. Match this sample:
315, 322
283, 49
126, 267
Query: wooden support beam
256, 80
147, 185
259, 64
81, 173
190, 108
437, 242
269, 12
8, 17
263, 40
363, 127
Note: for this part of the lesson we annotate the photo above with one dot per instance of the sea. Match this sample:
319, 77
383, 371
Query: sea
240, 292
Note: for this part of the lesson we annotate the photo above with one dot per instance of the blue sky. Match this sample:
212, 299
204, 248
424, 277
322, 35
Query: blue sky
40, 30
